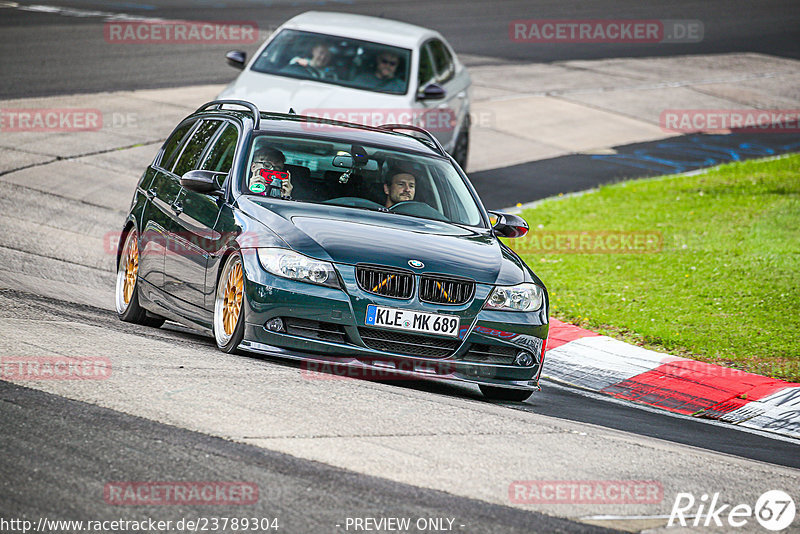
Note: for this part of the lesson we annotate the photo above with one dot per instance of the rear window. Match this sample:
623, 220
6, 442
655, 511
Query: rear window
194, 147
171, 147
220, 156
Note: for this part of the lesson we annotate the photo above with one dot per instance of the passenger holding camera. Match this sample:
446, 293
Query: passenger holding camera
267, 170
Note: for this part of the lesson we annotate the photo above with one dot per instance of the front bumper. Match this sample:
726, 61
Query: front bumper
483, 333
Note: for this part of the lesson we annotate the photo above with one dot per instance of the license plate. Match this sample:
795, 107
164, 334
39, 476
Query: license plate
412, 321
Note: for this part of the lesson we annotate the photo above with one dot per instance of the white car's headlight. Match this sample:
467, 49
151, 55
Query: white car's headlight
522, 297
290, 264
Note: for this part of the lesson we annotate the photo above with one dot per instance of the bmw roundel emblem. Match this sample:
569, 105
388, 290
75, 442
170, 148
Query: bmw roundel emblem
416, 264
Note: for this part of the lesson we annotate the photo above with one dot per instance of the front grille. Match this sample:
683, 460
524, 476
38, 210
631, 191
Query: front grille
442, 290
315, 330
499, 354
408, 344
385, 282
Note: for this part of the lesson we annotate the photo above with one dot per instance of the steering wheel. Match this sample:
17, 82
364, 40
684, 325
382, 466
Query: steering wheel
405, 203
311, 70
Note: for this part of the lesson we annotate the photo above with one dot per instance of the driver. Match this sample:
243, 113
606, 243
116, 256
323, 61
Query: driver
399, 186
319, 62
272, 159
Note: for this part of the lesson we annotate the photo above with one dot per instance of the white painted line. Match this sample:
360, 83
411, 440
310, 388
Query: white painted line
779, 412
84, 13
597, 362
631, 517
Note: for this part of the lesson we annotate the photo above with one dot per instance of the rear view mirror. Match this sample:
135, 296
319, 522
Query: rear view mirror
345, 160
507, 225
204, 182
236, 59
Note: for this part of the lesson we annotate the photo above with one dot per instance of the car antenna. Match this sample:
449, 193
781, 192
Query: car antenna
291, 111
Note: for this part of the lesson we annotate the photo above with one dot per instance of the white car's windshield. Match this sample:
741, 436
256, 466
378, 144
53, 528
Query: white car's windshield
336, 60
359, 176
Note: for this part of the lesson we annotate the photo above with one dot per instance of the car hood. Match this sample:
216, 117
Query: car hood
307, 97
350, 236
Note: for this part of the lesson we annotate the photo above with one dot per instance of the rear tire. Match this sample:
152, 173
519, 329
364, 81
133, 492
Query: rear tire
229, 306
505, 394
127, 290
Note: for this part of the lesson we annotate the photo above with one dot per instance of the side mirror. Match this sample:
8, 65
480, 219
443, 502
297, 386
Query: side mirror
236, 59
507, 225
432, 91
204, 182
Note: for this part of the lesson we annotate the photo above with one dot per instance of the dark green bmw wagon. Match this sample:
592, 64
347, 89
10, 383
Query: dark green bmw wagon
332, 243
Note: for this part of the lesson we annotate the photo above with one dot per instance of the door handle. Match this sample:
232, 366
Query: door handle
177, 207
462, 94
151, 193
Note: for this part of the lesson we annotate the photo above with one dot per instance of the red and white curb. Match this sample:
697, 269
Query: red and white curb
588, 360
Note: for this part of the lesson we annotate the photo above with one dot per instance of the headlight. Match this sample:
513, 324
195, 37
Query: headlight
290, 264
522, 297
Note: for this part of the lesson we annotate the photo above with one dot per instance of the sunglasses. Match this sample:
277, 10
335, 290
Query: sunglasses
391, 62
265, 163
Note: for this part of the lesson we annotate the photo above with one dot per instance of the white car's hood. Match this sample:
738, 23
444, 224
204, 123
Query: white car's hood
307, 97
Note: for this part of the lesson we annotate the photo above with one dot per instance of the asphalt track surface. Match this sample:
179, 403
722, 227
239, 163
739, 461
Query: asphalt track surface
504, 187
48, 54
554, 400
304, 496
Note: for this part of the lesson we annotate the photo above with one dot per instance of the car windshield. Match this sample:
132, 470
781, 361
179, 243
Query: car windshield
336, 60
357, 176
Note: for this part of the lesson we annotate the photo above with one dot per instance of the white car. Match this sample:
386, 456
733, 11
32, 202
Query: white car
359, 69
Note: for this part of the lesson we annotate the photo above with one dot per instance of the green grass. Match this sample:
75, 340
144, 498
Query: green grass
724, 287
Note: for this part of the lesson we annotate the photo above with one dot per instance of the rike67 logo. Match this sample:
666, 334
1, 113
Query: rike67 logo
774, 510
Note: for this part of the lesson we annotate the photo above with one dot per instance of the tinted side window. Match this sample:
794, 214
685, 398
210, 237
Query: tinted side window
220, 156
425, 66
442, 60
193, 148
172, 146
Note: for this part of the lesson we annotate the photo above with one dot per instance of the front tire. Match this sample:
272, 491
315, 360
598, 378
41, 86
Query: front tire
229, 305
505, 394
127, 290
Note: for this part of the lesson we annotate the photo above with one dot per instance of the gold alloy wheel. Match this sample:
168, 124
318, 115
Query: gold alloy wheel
131, 269
232, 304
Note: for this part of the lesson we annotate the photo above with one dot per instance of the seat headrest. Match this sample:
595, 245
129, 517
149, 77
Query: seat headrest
298, 171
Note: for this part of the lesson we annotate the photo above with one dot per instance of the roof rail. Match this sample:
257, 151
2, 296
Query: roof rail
249, 105
434, 141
